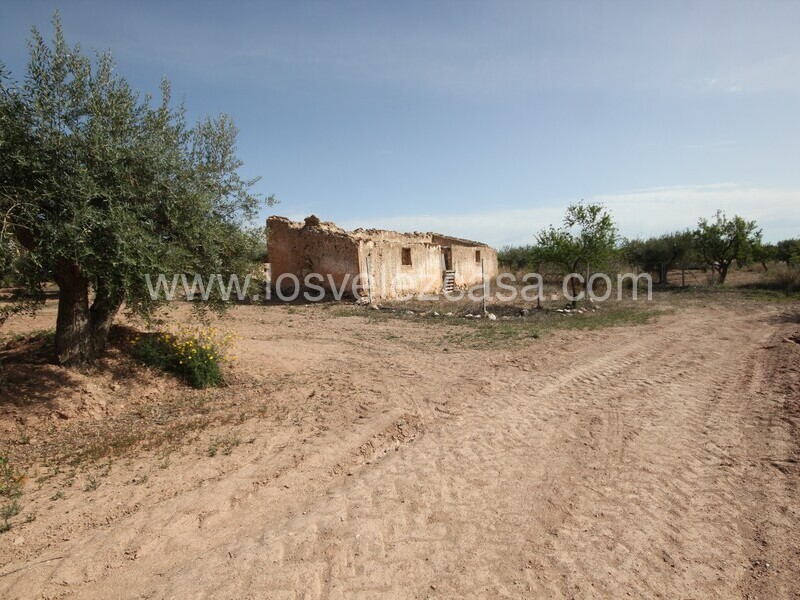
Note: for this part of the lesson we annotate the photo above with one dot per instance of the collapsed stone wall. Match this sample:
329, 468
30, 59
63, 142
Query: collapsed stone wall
312, 247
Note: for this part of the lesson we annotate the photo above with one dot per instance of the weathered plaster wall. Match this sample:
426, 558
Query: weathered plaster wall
391, 279
312, 248
468, 269
284, 247
316, 247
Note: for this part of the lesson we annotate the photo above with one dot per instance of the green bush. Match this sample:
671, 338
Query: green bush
153, 351
194, 355
202, 369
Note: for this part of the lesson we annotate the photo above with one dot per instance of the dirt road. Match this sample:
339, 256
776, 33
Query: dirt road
655, 461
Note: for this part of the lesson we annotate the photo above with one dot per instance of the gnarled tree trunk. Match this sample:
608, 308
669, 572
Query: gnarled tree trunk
72, 324
101, 317
81, 330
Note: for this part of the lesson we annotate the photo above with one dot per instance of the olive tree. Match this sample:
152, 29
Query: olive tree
100, 185
588, 236
721, 241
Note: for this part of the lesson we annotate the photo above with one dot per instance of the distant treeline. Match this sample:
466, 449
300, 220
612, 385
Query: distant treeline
660, 254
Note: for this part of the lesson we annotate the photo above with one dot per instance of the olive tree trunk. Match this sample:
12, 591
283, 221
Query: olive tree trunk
81, 328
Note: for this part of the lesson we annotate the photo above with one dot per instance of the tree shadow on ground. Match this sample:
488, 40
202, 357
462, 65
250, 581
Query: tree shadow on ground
787, 316
30, 376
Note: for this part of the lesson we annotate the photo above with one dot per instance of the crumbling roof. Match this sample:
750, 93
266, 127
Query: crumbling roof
314, 222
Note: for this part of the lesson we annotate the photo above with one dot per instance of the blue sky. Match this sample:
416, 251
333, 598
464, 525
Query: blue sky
479, 119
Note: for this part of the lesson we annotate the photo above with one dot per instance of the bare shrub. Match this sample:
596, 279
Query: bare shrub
787, 279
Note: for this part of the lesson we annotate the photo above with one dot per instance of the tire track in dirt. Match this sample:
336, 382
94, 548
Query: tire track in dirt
454, 515
622, 468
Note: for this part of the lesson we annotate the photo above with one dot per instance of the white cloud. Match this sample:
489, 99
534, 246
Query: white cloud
654, 211
638, 213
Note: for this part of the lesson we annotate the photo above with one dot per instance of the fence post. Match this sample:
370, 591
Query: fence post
483, 282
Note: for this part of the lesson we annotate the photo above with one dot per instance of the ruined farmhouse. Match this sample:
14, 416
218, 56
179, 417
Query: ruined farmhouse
387, 263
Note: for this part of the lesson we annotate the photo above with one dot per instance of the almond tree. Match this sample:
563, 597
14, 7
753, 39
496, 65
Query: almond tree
720, 241
588, 236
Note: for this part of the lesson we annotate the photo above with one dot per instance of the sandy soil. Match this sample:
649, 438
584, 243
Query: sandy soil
356, 458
